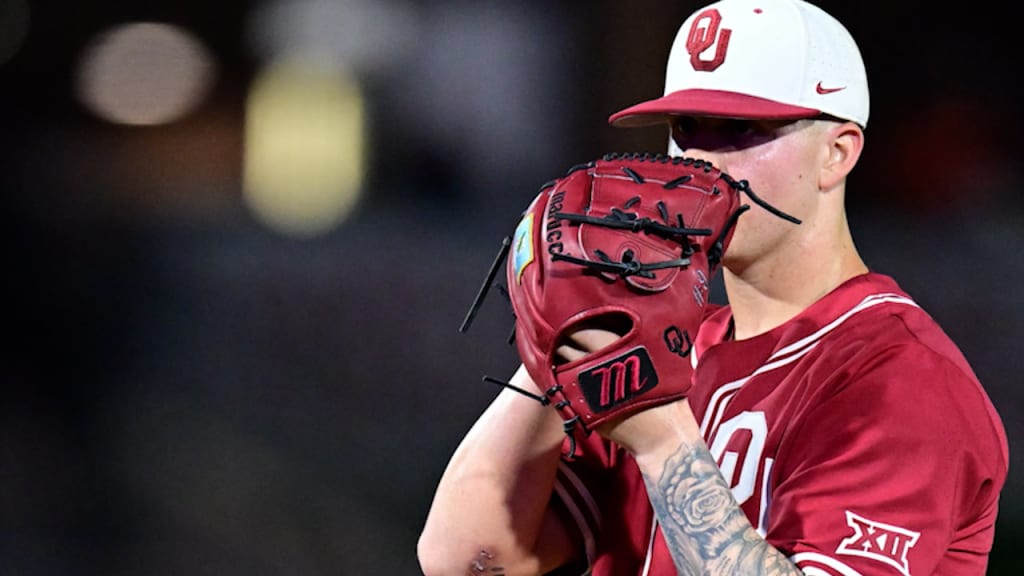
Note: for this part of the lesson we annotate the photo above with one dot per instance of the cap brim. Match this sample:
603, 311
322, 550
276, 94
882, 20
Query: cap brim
699, 102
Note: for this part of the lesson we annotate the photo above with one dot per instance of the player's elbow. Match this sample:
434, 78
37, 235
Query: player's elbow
436, 557
441, 554
429, 559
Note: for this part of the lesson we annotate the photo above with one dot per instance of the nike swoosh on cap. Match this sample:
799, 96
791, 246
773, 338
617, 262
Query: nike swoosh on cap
822, 90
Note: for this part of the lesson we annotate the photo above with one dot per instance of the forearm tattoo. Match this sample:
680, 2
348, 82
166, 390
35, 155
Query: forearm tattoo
706, 531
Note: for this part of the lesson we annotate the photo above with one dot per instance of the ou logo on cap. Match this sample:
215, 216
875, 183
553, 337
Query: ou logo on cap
703, 36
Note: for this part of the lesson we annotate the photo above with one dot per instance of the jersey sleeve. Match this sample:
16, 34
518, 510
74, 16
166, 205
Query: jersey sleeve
601, 494
584, 475
894, 470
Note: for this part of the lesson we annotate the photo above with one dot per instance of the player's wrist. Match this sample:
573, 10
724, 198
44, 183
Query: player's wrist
655, 434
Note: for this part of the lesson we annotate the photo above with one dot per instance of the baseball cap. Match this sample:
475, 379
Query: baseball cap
759, 59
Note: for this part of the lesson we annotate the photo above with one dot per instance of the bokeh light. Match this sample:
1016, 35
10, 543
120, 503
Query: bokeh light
144, 73
304, 147
360, 35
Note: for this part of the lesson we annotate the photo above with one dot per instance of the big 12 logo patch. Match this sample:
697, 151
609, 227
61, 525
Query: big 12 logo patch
883, 542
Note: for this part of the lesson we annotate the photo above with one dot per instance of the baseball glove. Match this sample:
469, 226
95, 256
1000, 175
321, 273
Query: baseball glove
629, 244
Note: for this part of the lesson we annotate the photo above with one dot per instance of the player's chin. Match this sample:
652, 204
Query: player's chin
735, 262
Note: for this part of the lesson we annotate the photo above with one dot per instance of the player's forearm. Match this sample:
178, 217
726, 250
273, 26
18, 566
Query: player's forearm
706, 531
490, 504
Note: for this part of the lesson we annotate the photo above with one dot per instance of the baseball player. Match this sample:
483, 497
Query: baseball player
821, 423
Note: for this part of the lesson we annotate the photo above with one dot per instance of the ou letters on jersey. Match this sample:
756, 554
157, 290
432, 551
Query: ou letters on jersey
738, 448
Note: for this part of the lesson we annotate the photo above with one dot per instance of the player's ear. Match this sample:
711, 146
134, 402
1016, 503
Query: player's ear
844, 140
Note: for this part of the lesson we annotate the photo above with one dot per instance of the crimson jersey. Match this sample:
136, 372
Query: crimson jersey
855, 437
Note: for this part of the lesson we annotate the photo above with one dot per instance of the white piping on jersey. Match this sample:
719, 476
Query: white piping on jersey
791, 353
579, 488
836, 565
761, 529
732, 387
650, 547
815, 571
864, 304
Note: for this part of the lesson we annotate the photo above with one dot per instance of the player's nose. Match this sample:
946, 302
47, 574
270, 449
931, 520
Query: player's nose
705, 153
693, 152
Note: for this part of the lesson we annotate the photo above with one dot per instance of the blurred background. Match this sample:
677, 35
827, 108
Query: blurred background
242, 237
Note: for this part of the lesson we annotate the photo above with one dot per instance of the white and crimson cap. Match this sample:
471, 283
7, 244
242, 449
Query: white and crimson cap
759, 59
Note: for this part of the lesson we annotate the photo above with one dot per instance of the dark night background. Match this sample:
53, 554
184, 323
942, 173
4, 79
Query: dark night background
189, 392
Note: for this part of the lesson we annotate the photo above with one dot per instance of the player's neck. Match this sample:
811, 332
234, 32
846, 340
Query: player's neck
773, 291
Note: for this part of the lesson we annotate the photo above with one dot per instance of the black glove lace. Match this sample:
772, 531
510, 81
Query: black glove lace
506, 245
624, 268
631, 221
544, 400
715, 251
569, 426
744, 186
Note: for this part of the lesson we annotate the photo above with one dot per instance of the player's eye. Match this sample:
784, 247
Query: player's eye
683, 130
721, 133
684, 126
738, 127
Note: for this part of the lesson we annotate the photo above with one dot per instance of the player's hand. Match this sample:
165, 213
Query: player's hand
639, 432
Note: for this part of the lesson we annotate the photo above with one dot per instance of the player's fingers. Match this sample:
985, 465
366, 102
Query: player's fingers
583, 342
565, 354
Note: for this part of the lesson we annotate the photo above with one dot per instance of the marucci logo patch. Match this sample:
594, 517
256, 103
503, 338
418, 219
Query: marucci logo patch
618, 379
877, 541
